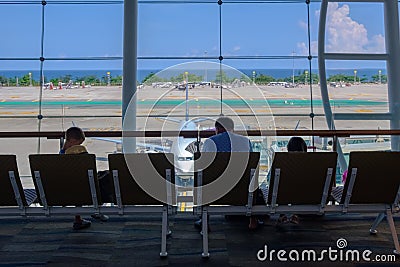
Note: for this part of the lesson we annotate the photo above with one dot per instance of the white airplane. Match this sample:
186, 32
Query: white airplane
182, 148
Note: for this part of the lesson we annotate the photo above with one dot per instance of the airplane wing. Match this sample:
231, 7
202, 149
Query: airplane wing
116, 141
147, 146
170, 119
202, 119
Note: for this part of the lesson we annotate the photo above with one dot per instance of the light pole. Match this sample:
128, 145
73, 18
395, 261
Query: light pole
293, 53
205, 66
30, 79
355, 76
254, 77
380, 76
306, 76
187, 95
108, 78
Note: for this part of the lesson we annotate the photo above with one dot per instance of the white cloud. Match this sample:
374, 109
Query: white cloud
303, 25
377, 44
346, 35
303, 48
343, 34
236, 48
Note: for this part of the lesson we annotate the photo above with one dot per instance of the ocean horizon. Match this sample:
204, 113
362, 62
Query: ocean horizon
142, 73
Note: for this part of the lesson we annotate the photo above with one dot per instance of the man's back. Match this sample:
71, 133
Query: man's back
227, 142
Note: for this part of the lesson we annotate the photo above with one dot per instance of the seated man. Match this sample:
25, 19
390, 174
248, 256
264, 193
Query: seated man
227, 141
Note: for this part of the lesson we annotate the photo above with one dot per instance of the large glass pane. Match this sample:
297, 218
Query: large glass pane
20, 31
83, 30
184, 30
263, 29
349, 30
360, 89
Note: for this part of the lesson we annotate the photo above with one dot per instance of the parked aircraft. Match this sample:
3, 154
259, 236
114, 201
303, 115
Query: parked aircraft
182, 148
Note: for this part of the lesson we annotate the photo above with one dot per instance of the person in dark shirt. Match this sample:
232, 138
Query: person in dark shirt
295, 144
74, 137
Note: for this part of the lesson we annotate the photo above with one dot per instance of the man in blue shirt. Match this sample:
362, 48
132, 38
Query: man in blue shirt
226, 140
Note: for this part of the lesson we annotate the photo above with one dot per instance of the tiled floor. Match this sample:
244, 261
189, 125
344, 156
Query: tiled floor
135, 241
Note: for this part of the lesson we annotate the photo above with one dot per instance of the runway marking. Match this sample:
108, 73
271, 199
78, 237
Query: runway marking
364, 110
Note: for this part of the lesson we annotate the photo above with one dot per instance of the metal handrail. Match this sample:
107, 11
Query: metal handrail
207, 133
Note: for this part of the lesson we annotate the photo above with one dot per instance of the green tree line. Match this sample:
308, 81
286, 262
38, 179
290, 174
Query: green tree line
90, 79
261, 79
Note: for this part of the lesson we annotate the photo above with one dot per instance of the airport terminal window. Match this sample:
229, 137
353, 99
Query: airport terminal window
79, 36
273, 43
269, 41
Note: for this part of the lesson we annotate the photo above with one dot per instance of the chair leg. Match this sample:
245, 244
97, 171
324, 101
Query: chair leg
389, 218
204, 229
377, 221
164, 229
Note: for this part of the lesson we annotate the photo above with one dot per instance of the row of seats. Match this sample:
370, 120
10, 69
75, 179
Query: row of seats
224, 184
301, 183
68, 184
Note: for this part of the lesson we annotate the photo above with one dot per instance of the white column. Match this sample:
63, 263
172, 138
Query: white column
392, 41
130, 64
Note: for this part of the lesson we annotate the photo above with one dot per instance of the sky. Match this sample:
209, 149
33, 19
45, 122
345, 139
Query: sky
179, 30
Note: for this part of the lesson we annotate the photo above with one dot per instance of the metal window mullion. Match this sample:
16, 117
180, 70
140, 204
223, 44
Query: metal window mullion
310, 71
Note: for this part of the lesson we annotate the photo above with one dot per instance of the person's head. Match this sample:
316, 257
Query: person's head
74, 136
296, 144
223, 124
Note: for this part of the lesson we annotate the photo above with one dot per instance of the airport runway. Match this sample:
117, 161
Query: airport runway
99, 108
